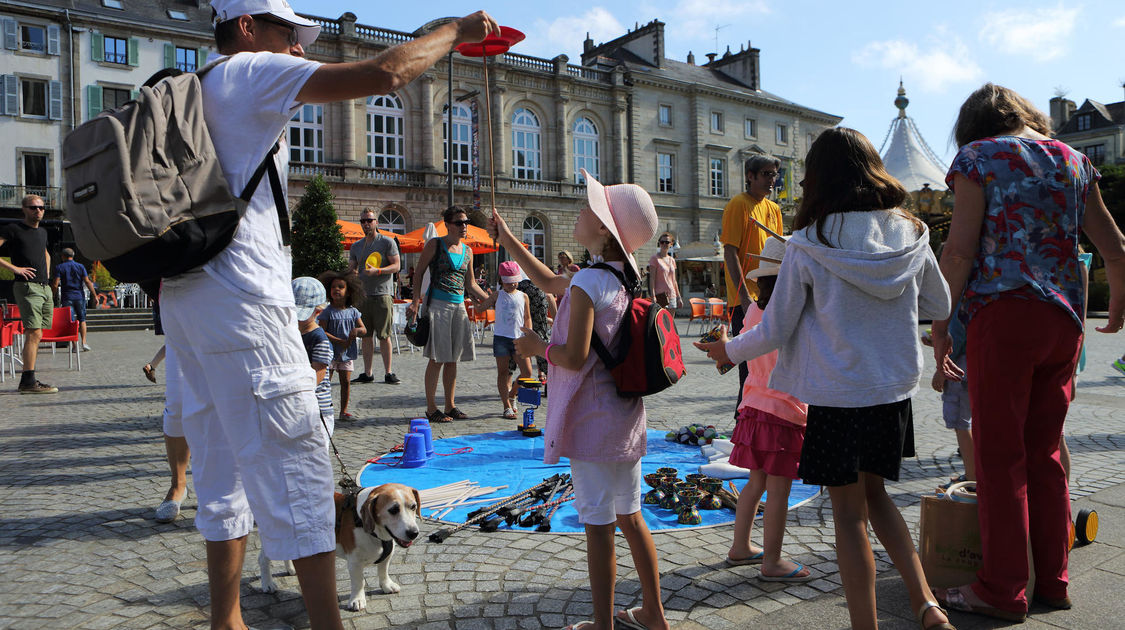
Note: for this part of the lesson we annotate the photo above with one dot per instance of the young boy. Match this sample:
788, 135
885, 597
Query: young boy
955, 408
311, 300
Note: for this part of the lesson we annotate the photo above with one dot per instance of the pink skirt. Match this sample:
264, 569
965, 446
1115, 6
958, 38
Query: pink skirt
762, 441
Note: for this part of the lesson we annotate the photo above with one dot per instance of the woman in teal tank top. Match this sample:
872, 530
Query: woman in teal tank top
449, 261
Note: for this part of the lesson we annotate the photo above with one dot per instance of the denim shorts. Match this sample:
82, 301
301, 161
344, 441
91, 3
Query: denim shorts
78, 305
503, 346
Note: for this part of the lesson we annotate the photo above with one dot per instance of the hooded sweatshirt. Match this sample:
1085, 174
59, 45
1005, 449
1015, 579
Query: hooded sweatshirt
844, 317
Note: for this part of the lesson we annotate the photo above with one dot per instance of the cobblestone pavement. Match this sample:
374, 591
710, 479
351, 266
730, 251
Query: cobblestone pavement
81, 471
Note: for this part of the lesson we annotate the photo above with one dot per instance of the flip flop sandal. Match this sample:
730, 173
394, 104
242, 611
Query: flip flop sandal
580, 624
921, 615
630, 619
509, 414
752, 559
150, 372
437, 416
789, 577
457, 414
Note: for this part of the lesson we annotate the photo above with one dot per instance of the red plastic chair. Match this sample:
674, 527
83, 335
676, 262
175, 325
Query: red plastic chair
64, 328
717, 311
11, 312
7, 351
698, 312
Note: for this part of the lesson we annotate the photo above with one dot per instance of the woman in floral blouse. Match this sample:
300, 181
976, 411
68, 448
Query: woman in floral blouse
1012, 254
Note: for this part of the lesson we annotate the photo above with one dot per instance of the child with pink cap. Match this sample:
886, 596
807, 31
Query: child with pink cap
513, 314
602, 434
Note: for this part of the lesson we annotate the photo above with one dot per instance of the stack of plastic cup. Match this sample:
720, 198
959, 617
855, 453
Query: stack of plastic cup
422, 425
413, 450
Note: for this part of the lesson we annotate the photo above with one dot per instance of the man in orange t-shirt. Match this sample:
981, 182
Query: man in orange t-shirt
741, 237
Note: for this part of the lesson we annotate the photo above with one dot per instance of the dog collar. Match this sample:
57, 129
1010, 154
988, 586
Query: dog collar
388, 546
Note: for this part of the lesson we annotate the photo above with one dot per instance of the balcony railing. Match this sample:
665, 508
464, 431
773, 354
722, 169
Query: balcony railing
382, 34
427, 179
11, 195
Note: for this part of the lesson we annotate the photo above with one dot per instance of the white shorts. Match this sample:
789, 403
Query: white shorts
602, 490
250, 416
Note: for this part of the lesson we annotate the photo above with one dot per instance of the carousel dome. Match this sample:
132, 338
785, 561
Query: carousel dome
907, 156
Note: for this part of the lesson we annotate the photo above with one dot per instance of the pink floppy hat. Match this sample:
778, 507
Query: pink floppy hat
626, 211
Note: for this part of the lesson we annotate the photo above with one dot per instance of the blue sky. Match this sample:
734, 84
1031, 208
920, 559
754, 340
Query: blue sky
842, 58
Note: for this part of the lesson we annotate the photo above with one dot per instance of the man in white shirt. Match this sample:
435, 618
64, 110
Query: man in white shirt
250, 415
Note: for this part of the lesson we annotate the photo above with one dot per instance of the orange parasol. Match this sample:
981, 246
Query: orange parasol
353, 232
477, 238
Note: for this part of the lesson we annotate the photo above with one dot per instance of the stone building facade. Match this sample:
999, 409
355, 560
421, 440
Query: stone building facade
626, 113
1096, 129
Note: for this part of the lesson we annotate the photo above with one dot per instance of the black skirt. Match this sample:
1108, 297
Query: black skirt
840, 442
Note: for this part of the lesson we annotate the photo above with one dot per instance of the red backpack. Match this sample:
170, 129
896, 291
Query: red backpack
648, 358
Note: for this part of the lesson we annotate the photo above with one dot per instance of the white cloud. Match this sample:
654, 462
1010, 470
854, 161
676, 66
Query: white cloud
565, 34
1041, 34
1119, 21
943, 62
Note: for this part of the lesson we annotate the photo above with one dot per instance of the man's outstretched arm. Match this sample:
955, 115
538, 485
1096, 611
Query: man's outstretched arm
394, 67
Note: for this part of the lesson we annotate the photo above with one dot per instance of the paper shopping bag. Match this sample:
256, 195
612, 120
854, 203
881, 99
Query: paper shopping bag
949, 541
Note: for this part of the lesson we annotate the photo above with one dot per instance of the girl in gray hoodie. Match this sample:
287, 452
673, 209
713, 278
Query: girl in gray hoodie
858, 274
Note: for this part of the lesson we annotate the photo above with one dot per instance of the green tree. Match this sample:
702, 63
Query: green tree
1112, 186
317, 240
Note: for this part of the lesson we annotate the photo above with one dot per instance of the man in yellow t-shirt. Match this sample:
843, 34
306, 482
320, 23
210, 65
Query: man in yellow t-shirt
741, 237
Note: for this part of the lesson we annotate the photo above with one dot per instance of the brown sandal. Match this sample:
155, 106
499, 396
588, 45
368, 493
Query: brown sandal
150, 372
437, 416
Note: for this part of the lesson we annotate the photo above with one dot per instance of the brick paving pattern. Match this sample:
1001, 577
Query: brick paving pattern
82, 471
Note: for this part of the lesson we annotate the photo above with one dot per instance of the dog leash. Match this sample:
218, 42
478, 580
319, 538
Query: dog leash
346, 481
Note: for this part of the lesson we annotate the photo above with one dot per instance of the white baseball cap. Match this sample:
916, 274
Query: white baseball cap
307, 30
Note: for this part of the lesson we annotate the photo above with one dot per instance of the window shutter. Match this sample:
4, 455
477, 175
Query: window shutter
93, 101
97, 47
169, 55
10, 105
54, 100
201, 57
52, 39
134, 51
134, 94
11, 34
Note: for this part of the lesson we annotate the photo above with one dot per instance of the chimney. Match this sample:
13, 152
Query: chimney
690, 58
588, 44
711, 57
1061, 109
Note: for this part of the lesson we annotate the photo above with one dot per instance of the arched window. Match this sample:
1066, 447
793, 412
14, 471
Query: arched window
306, 134
385, 133
535, 235
525, 146
462, 140
392, 221
587, 151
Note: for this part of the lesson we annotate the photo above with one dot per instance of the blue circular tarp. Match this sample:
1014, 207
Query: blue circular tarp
509, 458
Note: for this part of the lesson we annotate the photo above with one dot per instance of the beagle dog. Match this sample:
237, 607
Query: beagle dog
368, 525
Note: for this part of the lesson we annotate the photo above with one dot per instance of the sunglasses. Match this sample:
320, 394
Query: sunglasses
461, 223
292, 29
367, 220
36, 207
664, 242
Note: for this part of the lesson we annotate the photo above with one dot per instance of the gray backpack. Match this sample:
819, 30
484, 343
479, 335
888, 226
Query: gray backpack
147, 195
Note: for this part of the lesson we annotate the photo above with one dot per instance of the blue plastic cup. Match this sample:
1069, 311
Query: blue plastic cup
422, 425
413, 450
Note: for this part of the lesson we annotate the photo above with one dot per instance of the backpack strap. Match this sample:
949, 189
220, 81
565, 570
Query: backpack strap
269, 166
596, 342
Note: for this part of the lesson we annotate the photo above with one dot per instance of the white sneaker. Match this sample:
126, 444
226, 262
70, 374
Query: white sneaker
85, 348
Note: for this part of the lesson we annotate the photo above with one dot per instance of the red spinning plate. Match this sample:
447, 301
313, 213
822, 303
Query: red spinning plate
495, 44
